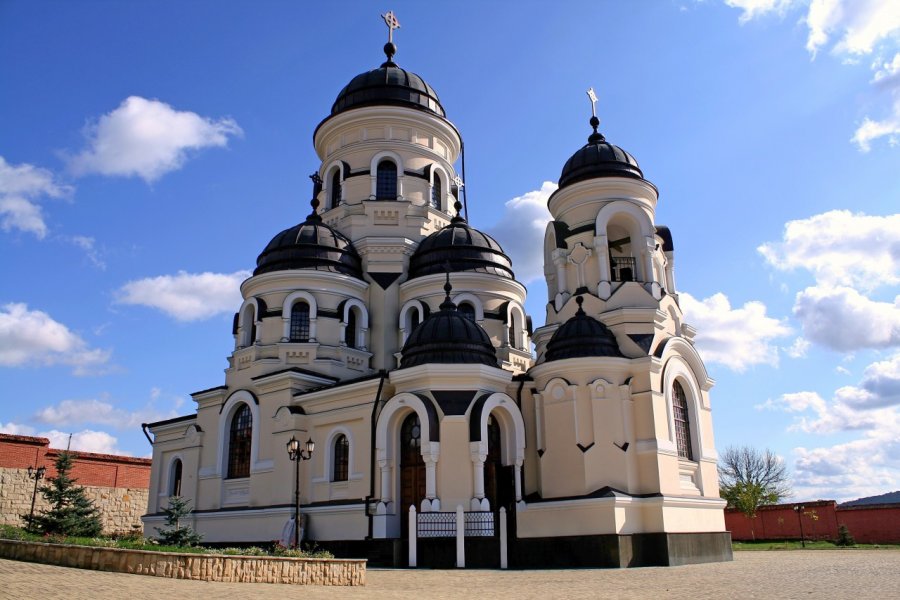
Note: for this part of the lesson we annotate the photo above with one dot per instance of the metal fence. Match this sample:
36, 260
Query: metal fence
443, 524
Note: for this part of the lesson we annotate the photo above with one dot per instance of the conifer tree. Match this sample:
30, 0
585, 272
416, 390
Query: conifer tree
71, 512
174, 534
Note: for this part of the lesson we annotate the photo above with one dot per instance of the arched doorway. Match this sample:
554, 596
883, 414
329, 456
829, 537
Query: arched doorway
412, 469
499, 479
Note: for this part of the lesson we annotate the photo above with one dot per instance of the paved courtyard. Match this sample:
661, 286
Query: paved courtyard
792, 574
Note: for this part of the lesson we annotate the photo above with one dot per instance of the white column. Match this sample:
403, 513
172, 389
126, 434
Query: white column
504, 555
601, 245
412, 536
385, 467
430, 477
518, 480
562, 283
312, 328
285, 327
460, 537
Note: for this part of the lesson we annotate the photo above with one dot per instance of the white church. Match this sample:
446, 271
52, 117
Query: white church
388, 336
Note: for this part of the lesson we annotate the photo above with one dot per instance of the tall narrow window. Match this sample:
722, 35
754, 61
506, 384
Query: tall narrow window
335, 188
175, 483
341, 469
350, 329
467, 310
682, 422
249, 326
300, 322
386, 181
239, 438
436, 192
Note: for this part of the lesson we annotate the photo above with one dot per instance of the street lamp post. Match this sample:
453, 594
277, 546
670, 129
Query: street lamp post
297, 454
37, 475
798, 508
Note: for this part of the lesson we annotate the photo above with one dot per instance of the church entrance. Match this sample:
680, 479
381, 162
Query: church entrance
499, 479
412, 470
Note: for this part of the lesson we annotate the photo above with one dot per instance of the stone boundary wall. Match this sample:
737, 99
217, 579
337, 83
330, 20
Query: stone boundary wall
118, 485
203, 567
120, 508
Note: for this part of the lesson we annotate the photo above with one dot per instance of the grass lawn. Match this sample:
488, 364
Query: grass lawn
810, 545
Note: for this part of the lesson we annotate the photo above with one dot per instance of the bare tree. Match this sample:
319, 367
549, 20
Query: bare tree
750, 478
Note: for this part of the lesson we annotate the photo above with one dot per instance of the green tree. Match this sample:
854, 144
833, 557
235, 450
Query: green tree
174, 534
71, 512
750, 478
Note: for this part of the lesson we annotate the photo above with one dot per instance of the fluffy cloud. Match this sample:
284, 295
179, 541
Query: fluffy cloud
148, 138
861, 467
799, 348
88, 244
843, 319
86, 440
756, 8
31, 337
20, 188
840, 248
77, 412
187, 296
521, 231
886, 70
735, 337
871, 130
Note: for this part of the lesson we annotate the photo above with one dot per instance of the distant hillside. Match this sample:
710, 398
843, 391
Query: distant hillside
889, 498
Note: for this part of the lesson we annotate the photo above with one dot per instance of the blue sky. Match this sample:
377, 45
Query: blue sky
149, 151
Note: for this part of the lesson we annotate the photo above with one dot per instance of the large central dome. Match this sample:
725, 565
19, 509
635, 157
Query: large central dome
388, 85
459, 247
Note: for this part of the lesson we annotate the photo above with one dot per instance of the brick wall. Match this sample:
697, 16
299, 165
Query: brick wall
873, 524
118, 485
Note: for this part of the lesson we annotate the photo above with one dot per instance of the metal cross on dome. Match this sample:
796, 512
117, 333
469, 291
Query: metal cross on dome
593, 96
391, 21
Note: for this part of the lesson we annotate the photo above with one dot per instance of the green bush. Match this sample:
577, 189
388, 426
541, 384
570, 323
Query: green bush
844, 537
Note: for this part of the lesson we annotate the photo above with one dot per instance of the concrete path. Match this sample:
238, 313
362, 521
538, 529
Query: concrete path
855, 574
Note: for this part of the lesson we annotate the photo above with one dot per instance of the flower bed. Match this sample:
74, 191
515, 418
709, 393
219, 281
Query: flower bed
181, 565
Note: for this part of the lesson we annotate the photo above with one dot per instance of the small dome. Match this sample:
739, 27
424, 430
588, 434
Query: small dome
464, 248
447, 337
582, 335
388, 85
310, 245
599, 158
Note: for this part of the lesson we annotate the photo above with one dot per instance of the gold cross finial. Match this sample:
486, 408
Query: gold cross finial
390, 19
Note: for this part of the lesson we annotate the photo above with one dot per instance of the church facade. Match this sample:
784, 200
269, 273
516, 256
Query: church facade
391, 333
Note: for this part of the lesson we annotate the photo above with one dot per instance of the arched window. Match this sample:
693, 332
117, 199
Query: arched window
341, 455
300, 322
467, 310
335, 188
249, 326
175, 478
386, 182
413, 319
239, 443
682, 422
436, 192
350, 329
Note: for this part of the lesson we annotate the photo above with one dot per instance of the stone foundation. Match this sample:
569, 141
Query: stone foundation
204, 567
120, 508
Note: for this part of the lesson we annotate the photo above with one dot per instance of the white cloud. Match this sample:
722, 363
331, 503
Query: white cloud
752, 9
32, 337
871, 130
840, 248
86, 440
886, 70
735, 337
88, 244
148, 138
16, 429
20, 188
843, 319
861, 467
187, 296
842, 370
799, 348
520, 231
100, 412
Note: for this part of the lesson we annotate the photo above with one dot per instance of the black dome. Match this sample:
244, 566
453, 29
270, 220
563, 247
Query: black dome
599, 158
464, 248
310, 245
582, 335
391, 85
447, 337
